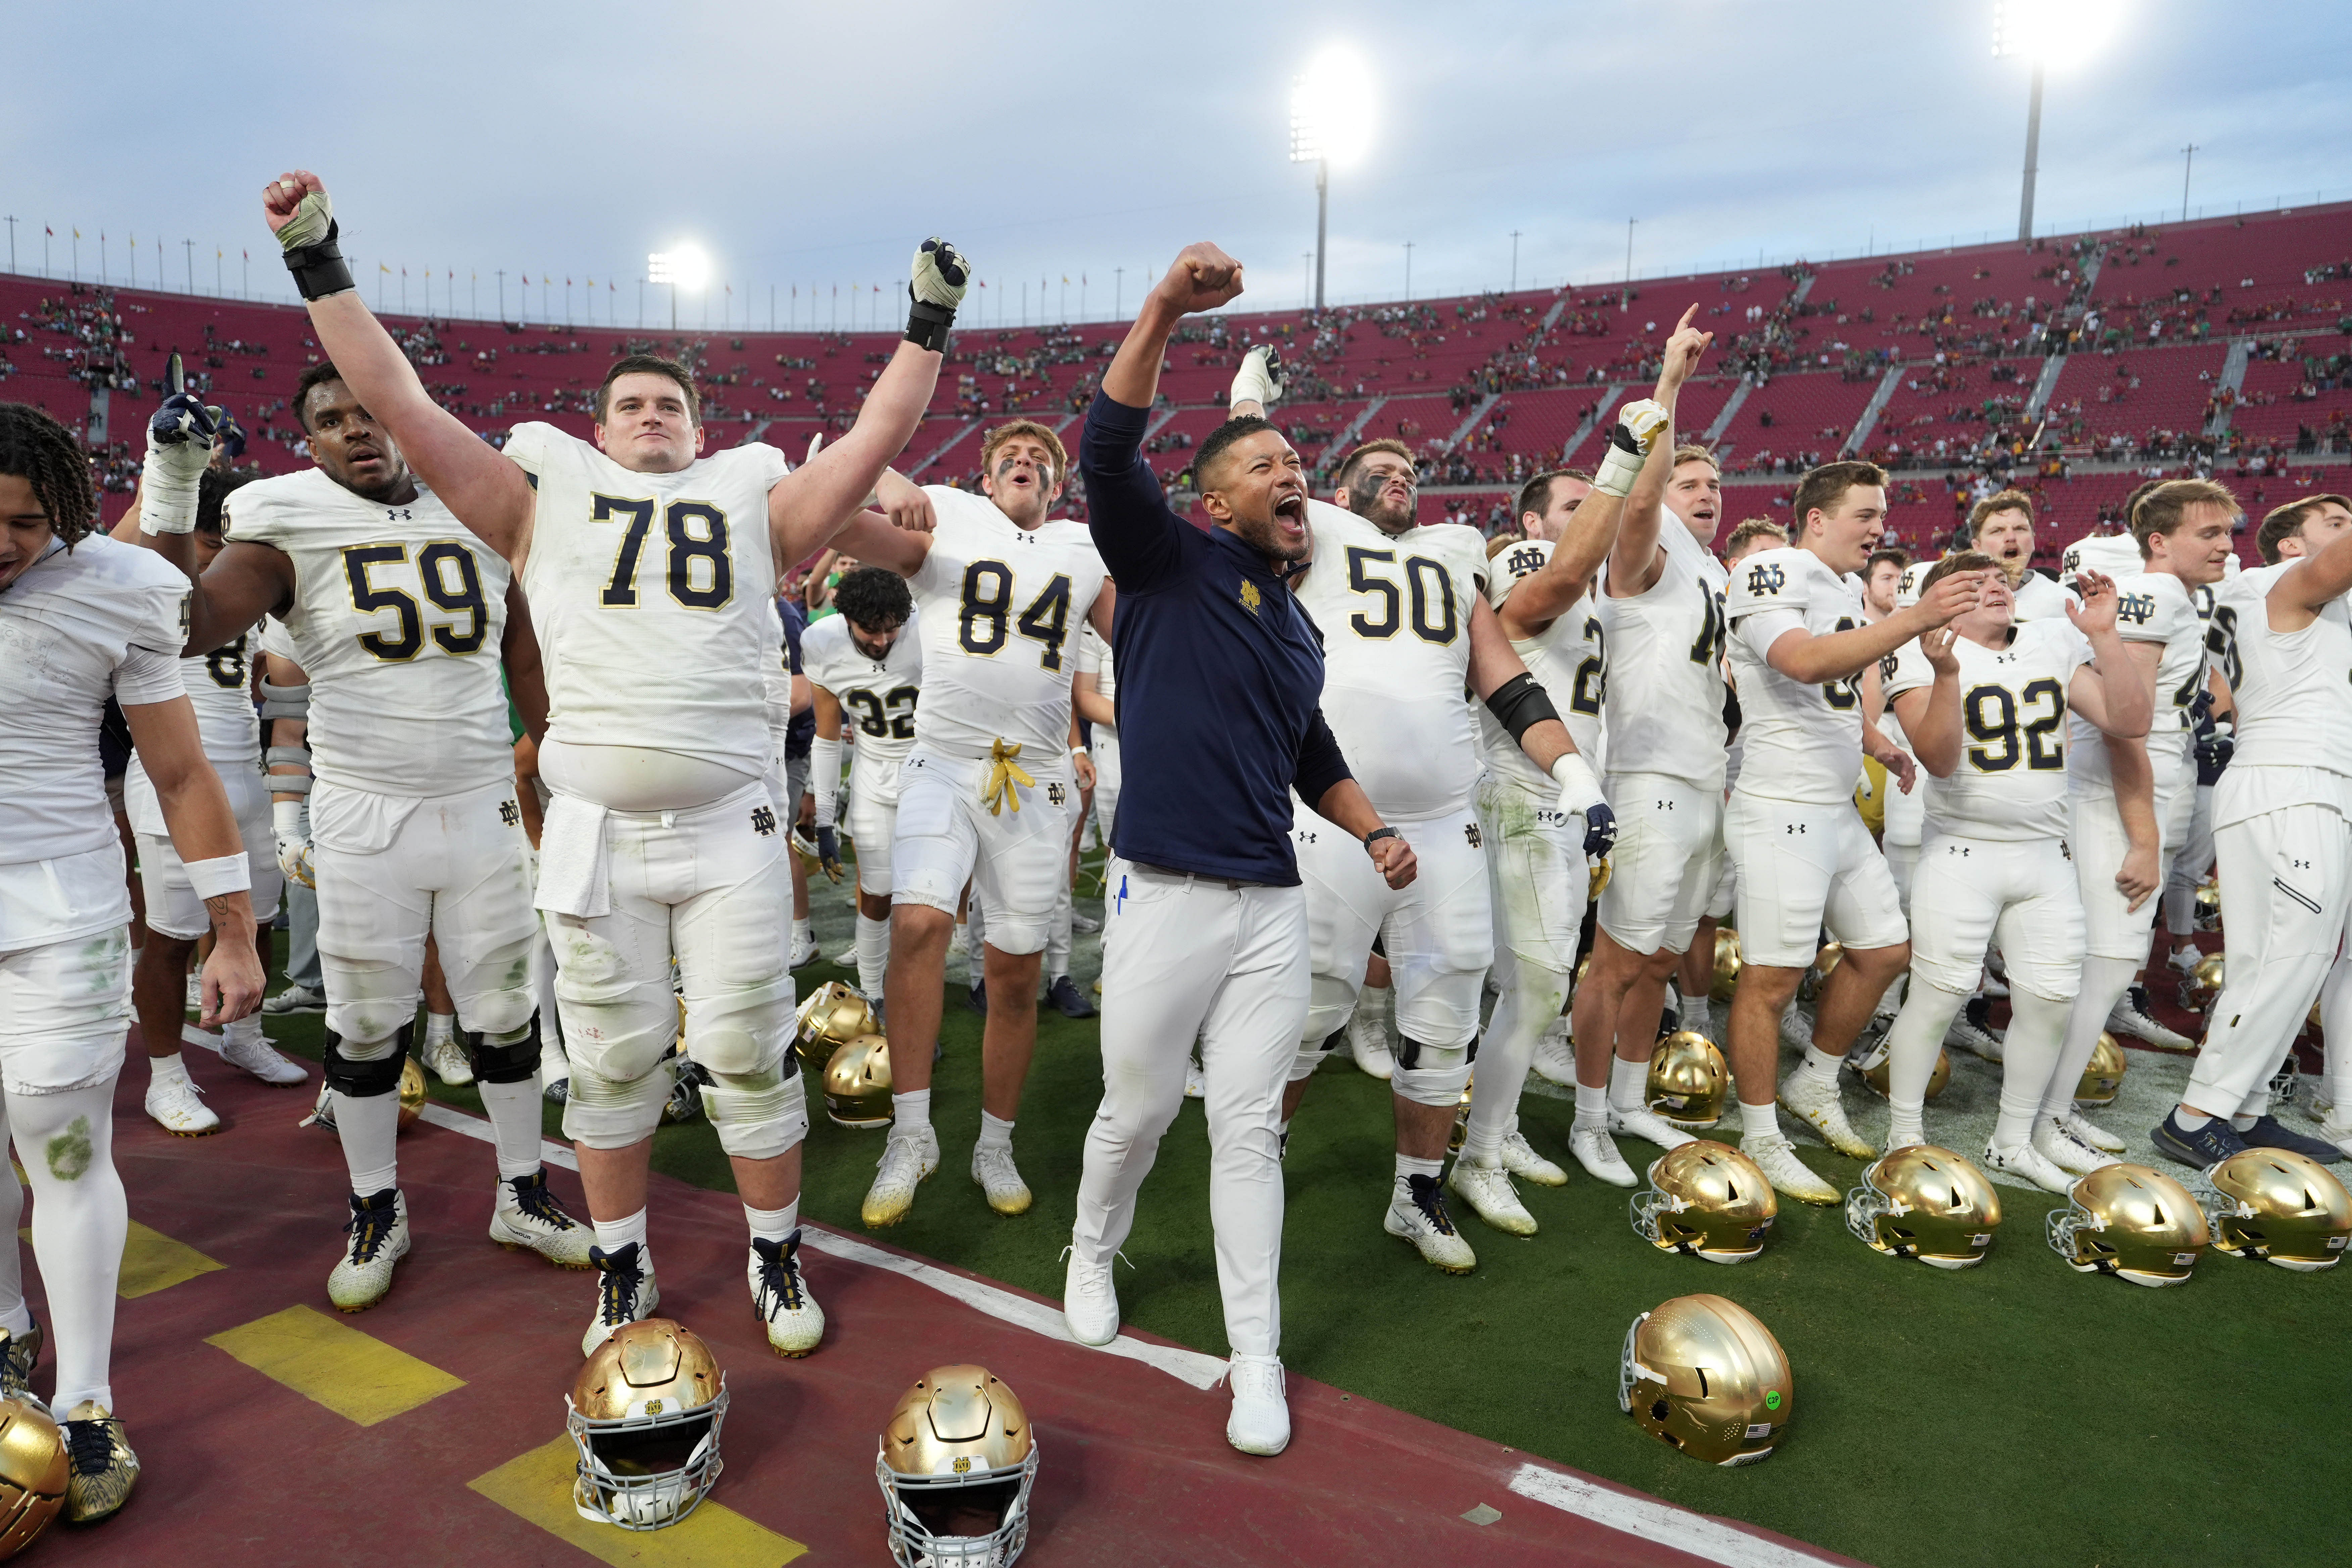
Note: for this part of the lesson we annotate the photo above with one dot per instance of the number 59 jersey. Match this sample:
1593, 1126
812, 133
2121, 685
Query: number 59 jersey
1000, 607
878, 696
397, 619
2011, 781
1801, 741
1394, 611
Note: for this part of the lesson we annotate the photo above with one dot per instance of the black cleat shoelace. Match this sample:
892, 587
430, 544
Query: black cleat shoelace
619, 1283
532, 1197
370, 1226
89, 1447
1431, 1202
779, 1271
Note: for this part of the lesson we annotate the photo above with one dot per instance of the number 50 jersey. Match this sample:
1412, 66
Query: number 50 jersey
1000, 608
397, 619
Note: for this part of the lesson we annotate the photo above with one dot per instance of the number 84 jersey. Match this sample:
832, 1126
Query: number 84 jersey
2011, 781
397, 619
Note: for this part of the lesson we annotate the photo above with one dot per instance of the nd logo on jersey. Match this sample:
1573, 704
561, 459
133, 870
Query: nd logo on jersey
1766, 578
1522, 561
2136, 608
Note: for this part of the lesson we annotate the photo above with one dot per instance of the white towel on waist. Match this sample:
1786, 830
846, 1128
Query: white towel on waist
574, 878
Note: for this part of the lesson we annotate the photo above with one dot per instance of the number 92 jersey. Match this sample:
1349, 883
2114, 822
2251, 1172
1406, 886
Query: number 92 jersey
1802, 742
2011, 781
397, 618
1394, 611
876, 696
1000, 607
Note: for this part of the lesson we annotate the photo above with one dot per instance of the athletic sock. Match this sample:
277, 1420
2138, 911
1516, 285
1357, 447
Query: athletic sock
615, 1234
246, 1031
439, 1027
873, 954
1760, 1120
15, 1316
1629, 1084
2029, 1053
1697, 1017
1591, 1106
911, 1112
1822, 1066
773, 1224
1406, 1165
801, 931
994, 1133
2189, 1120
514, 1125
368, 1125
167, 1069
2104, 981
1372, 1005
2243, 1123
1913, 1042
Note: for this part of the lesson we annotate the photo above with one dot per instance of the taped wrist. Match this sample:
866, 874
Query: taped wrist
319, 269
499, 1059
824, 778
285, 701
927, 324
222, 873
1520, 703
361, 1077
1621, 464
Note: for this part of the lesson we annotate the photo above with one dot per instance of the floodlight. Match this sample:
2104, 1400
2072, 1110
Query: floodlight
685, 267
2059, 33
1330, 109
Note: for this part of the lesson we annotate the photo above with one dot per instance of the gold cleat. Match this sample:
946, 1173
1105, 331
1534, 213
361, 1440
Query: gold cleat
907, 1160
102, 1468
993, 1169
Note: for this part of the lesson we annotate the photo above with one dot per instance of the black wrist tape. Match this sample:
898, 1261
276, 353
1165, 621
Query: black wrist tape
319, 269
927, 324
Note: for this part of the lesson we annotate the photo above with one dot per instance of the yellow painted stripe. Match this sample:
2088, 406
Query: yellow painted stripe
152, 1261
538, 1486
353, 1374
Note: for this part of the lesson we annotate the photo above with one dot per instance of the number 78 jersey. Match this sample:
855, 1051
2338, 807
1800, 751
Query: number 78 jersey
1000, 608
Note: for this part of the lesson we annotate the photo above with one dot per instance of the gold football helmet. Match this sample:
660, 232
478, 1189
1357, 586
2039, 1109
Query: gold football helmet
2202, 983
2134, 1223
2280, 1206
1925, 1203
33, 1471
1874, 1072
957, 1459
1706, 1200
1701, 1375
2208, 906
1689, 1084
2103, 1078
644, 1415
411, 1094
1727, 964
857, 1083
1824, 964
832, 1017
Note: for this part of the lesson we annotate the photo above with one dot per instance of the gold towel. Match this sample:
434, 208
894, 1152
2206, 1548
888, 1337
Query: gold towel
1004, 772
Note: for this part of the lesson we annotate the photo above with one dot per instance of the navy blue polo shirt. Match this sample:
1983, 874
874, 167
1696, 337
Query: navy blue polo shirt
1220, 676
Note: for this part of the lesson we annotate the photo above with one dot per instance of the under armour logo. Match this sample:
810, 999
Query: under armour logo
397, 514
763, 821
1792, 828
509, 813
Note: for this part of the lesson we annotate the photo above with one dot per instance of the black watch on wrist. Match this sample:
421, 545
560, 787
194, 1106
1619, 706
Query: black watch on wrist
1380, 833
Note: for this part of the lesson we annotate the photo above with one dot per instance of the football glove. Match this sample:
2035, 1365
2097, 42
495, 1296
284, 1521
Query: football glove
1580, 796
179, 446
935, 286
1258, 381
2216, 744
828, 851
294, 853
312, 254
1639, 425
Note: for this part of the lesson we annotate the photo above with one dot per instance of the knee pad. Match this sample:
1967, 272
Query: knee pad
1310, 1056
613, 1113
513, 1062
743, 1029
1331, 1003
626, 1029
1431, 1075
500, 1012
758, 1116
361, 1071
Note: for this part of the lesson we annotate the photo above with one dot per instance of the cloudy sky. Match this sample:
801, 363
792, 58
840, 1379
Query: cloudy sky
809, 147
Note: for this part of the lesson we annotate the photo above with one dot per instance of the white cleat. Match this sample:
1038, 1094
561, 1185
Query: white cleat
1777, 1158
2185, 958
243, 1045
1520, 1158
1089, 1300
1196, 1083
2089, 1133
993, 1169
2131, 1017
907, 1160
446, 1060
379, 1239
2054, 1144
1260, 1423
1796, 1029
1487, 1190
804, 951
1823, 1110
2337, 1133
1555, 1057
625, 1292
780, 1299
1367, 1043
1972, 1031
1417, 1214
1598, 1154
1644, 1122
177, 1106
526, 1218
2029, 1163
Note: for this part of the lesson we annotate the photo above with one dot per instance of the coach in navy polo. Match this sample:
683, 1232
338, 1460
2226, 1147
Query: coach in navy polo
1220, 686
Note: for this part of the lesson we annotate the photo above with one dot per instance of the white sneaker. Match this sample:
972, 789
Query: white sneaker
1644, 1122
2337, 1134
1196, 1085
1903, 1135
625, 1292
2185, 958
2063, 1150
1520, 1158
1260, 1423
2131, 1017
176, 1104
1487, 1190
1368, 1042
1555, 1057
780, 1299
1972, 1031
907, 1160
1417, 1214
446, 1060
1089, 1300
1823, 1110
2089, 1133
2029, 1164
805, 951
995, 1171
1796, 1029
245, 1046
1777, 1158
379, 1239
525, 1217
1598, 1156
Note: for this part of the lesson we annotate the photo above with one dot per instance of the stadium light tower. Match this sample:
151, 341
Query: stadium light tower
2047, 32
685, 267
1330, 122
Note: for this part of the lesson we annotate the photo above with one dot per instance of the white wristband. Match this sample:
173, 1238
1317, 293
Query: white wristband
1078, 750
223, 874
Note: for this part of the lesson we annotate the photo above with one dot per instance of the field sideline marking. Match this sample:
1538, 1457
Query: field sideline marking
1650, 1520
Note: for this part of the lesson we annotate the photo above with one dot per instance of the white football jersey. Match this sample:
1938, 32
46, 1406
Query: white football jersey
2116, 555
397, 619
1568, 659
1394, 613
2012, 780
776, 681
1000, 607
2294, 690
2153, 606
1667, 648
1095, 659
652, 596
67, 626
220, 687
879, 696
2038, 598
1804, 742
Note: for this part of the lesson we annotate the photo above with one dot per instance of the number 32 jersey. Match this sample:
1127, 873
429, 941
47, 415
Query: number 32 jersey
1000, 607
397, 619
1802, 742
879, 696
2012, 780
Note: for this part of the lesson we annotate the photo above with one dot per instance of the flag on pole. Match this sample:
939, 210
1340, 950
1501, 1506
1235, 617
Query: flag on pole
381, 268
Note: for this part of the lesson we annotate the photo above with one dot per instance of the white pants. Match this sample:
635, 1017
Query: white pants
1537, 882
2111, 928
172, 908
1015, 860
2189, 865
1107, 776
872, 824
2287, 881
1186, 957
1969, 890
1803, 867
1667, 859
1438, 932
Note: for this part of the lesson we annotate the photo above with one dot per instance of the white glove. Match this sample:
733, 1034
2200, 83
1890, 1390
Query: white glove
1580, 790
940, 275
1258, 380
293, 825
1629, 440
1648, 419
179, 446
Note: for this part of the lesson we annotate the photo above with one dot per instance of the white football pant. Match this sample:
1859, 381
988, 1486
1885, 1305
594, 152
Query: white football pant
1537, 882
1014, 860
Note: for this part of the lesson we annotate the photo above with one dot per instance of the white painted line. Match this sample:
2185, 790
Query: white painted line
1650, 1520
1185, 1366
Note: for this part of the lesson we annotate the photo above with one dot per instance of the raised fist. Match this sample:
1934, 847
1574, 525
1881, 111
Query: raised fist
1202, 278
940, 275
298, 208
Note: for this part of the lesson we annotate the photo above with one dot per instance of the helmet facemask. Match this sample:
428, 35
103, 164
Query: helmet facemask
646, 1471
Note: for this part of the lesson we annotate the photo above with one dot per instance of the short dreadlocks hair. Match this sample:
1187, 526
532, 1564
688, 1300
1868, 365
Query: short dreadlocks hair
44, 455
871, 598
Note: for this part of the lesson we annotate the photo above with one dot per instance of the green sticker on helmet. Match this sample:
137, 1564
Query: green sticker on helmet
1772, 1399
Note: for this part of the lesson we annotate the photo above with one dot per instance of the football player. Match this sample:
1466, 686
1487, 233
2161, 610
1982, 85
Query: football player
1800, 658
652, 569
1095, 695
1984, 701
84, 618
1881, 576
403, 627
988, 796
2285, 642
864, 665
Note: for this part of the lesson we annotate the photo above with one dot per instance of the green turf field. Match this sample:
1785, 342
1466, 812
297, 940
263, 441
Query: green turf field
2016, 1413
